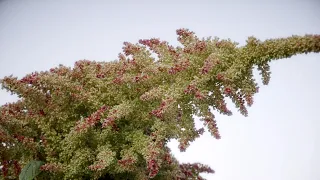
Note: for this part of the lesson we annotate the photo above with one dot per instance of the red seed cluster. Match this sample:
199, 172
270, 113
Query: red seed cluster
98, 166
199, 95
118, 80
20, 138
153, 168
167, 158
184, 33
130, 49
183, 145
208, 65
222, 106
192, 89
80, 64
30, 79
159, 112
150, 42
200, 46
41, 112
227, 90
140, 78
220, 77
126, 162
178, 67
100, 75
91, 120
193, 170
212, 126
51, 167
110, 120
249, 100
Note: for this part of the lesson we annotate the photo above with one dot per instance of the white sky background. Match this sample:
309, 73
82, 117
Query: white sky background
280, 140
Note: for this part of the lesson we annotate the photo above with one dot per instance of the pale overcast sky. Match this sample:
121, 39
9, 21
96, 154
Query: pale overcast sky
280, 140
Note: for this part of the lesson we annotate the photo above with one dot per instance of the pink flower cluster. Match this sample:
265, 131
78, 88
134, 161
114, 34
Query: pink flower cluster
98, 166
249, 100
222, 106
153, 167
163, 106
130, 49
140, 78
184, 33
183, 145
51, 167
118, 80
150, 43
200, 46
212, 125
110, 120
100, 75
41, 112
192, 89
167, 158
209, 63
220, 77
126, 162
28, 142
20, 138
154, 152
193, 170
178, 67
185, 141
80, 64
91, 120
30, 79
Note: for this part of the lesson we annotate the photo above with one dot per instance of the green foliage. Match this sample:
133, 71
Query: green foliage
31, 170
113, 120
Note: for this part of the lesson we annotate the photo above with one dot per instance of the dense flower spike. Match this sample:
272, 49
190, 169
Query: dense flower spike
114, 119
52, 167
91, 120
212, 125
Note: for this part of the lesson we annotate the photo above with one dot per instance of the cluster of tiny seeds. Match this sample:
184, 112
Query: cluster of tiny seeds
98, 166
210, 122
126, 162
110, 120
91, 120
130, 49
30, 79
192, 89
51, 167
192, 170
163, 106
178, 67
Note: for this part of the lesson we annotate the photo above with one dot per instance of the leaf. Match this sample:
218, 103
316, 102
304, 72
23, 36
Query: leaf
31, 170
